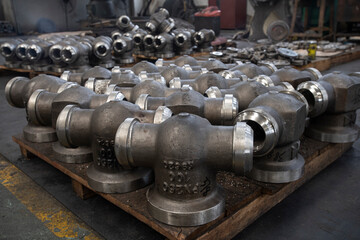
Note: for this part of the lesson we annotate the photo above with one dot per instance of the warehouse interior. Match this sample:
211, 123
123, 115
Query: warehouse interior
179, 119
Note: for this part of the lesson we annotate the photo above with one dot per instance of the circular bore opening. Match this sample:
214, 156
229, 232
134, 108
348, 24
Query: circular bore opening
101, 50
56, 53
309, 98
124, 20
32, 53
149, 41
67, 54
158, 42
180, 39
259, 133
119, 46
198, 37
137, 39
22, 51
6, 50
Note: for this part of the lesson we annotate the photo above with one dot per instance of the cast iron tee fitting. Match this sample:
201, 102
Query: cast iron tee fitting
19, 89
125, 25
151, 87
76, 55
160, 22
102, 47
180, 61
163, 44
183, 40
20, 52
96, 72
54, 54
333, 101
252, 70
185, 192
138, 40
217, 110
278, 121
38, 55
149, 45
8, 52
202, 82
244, 92
174, 71
290, 75
203, 39
123, 47
97, 128
144, 66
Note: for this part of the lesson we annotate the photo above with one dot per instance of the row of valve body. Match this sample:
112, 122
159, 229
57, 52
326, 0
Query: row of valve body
138, 129
57, 53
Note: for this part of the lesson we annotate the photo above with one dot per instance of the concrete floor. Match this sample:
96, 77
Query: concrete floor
327, 207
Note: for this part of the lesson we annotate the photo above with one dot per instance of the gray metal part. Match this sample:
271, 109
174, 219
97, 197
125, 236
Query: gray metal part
72, 155
39, 134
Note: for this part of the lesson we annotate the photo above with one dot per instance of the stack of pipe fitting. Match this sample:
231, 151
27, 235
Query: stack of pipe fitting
59, 53
173, 127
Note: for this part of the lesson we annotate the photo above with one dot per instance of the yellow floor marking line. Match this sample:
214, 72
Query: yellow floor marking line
57, 218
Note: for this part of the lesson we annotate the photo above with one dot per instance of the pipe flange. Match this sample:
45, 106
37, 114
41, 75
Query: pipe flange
229, 108
317, 99
213, 92
62, 125
142, 101
32, 109
162, 113
243, 142
267, 138
115, 96
122, 146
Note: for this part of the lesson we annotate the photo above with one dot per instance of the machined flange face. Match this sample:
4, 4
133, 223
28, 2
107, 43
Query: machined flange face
121, 181
316, 96
282, 165
39, 134
186, 213
80, 154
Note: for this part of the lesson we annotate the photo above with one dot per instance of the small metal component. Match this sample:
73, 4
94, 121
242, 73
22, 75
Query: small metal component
203, 39
285, 52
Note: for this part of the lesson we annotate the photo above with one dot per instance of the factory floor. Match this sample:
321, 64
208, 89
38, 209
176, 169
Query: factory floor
37, 201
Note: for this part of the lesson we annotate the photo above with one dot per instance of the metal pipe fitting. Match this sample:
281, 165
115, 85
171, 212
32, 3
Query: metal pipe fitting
149, 45
252, 70
115, 35
8, 51
278, 121
146, 66
203, 39
152, 76
97, 72
55, 55
180, 61
290, 75
192, 150
123, 50
163, 44
183, 41
333, 102
138, 40
201, 83
20, 52
125, 25
244, 92
76, 55
153, 88
174, 71
97, 128
19, 89
38, 55
217, 110
159, 22
102, 47
125, 78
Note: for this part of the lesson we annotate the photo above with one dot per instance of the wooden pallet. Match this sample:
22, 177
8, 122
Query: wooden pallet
32, 73
246, 200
